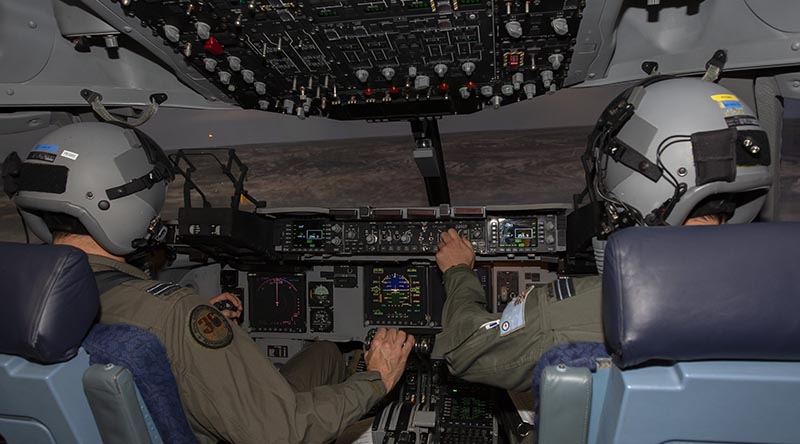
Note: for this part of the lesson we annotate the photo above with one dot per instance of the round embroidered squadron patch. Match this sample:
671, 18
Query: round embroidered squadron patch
209, 328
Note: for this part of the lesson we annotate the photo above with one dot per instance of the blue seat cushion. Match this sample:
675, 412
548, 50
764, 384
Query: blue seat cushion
143, 355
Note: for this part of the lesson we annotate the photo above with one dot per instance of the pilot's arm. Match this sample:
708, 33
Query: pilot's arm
228, 387
502, 349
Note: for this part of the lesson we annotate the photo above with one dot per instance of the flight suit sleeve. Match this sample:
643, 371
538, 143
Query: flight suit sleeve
477, 351
233, 392
464, 309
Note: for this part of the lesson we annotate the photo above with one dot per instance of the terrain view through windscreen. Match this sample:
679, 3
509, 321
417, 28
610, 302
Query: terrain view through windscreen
486, 168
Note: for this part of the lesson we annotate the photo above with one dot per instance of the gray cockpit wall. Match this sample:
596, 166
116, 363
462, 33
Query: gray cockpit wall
42, 71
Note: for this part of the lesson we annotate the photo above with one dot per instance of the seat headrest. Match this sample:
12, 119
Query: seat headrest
697, 293
49, 299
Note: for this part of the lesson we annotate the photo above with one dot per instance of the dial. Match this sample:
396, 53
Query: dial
321, 320
320, 294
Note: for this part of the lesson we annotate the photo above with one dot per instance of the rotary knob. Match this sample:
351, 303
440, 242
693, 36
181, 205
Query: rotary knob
468, 68
203, 30
550, 239
371, 238
405, 238
261, 88
514, 29
351, 234
560, 25
235, 63
549, 225
210, 64
336, 241
336, 228
388, 73
172, 33
555, 60
362, 75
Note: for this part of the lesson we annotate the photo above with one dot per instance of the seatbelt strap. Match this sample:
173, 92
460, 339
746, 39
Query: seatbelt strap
108, 279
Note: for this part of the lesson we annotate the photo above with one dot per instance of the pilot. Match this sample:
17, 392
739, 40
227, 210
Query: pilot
99, 187
669, 151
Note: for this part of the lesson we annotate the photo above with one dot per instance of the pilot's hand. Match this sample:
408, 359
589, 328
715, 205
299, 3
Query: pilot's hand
387, 354
237, 304
454, 250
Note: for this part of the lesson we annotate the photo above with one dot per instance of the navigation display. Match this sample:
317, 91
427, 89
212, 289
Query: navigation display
277, 302
518, 233
396, 296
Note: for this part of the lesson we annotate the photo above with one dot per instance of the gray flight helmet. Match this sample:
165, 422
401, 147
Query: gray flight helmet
112, 179
669, 145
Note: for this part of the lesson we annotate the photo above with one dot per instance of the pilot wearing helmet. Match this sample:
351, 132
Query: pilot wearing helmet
668, 151
99, 187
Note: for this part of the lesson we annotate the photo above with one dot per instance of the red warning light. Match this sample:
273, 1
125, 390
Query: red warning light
513, 60
444, 87
369, 92
394, 90
471, 85
213, 46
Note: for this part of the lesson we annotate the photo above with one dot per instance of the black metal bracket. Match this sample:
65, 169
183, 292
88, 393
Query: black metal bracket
182, 156
430, 160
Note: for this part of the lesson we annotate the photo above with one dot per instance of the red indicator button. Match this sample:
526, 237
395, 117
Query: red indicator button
213, 46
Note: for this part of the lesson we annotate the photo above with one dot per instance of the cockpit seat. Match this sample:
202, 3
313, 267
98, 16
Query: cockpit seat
703, 331
52, 389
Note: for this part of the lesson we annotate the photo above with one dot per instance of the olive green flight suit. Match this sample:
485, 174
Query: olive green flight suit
471, 341
229, 389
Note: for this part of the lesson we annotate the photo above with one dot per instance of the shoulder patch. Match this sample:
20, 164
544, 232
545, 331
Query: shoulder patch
209, 328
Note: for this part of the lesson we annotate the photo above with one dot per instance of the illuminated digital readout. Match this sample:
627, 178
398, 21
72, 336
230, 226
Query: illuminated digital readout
469, 409
309, 235
396, 296
518, 233
278, 302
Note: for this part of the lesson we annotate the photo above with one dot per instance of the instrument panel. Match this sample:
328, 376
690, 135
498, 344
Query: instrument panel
529, 234
366, 59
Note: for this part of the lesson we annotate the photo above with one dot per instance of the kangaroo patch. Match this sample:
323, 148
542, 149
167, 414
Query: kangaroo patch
209, 328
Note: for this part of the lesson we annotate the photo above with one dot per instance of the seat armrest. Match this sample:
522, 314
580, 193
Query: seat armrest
565, 404
112, 397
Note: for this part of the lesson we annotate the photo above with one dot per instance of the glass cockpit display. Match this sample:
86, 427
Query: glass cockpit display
278, 302
309, 235
396, 296
518, 233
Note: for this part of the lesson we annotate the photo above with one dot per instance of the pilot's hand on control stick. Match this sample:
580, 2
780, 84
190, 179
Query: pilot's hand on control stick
387, 354
227, 299
454, 250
